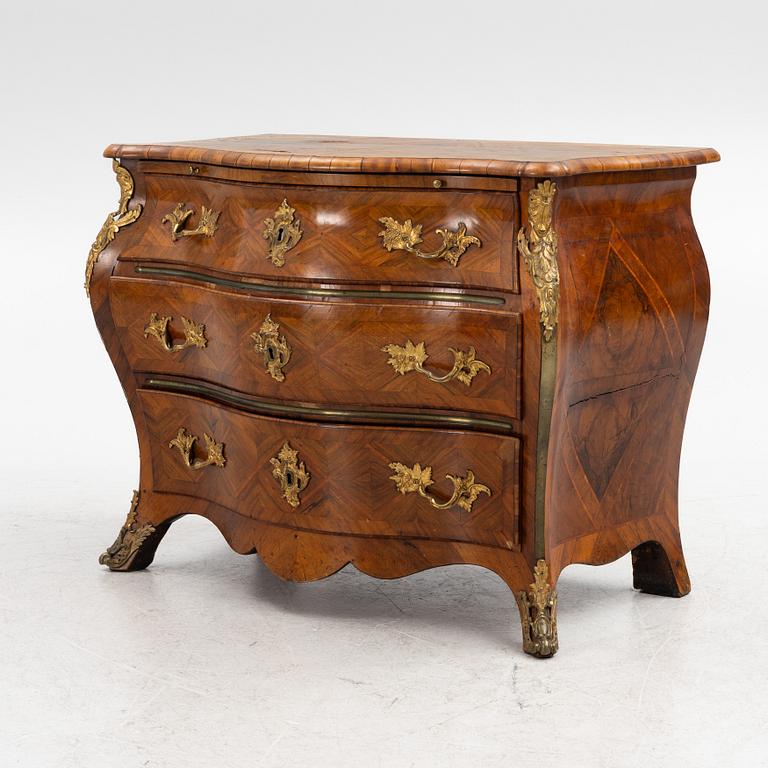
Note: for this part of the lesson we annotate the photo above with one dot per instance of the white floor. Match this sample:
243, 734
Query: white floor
207, 659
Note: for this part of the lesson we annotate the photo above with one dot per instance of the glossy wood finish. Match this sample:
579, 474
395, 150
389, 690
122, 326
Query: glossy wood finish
634, 294
349, 469
356, 154
337, 355
340, 241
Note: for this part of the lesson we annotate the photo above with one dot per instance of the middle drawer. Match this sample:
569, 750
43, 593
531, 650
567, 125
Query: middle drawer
342, 353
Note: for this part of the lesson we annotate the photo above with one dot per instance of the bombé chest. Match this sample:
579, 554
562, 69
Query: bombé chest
404, 354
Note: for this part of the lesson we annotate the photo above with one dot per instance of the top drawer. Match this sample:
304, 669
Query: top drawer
330, 233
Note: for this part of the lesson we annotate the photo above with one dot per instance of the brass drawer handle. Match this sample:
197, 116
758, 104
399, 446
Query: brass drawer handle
178, 217
275, 350
417, 480
282, 232
404, 237
411, 357
186, 445
290, 473
194, 333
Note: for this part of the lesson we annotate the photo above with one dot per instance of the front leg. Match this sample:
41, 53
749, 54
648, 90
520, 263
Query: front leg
538, 614
135, 545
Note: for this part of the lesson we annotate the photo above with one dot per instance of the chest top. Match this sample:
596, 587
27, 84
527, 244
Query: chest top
357, 154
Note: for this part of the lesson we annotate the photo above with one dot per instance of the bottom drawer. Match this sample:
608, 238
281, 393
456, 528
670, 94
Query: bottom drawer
361, 480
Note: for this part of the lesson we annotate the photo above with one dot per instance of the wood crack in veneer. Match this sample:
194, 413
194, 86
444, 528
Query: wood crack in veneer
498, 376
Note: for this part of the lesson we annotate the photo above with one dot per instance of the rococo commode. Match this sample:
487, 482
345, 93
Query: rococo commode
402, 353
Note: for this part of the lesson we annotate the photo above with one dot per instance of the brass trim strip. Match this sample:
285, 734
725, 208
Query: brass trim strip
277, 290
546, 400
359, 416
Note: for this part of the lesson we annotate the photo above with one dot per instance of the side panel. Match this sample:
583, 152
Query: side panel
633, 311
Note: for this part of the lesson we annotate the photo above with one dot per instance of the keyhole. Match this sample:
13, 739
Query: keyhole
271, 352
289, 477
280, 232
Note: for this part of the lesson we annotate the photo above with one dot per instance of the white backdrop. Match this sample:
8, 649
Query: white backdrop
77, 76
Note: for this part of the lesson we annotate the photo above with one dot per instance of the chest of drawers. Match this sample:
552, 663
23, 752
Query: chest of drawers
403, 354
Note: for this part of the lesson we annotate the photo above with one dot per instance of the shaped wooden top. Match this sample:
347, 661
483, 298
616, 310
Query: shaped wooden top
357, 154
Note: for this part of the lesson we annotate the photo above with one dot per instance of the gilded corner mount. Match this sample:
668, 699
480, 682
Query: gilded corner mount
122, 217
129, 540
539, 249
538, 614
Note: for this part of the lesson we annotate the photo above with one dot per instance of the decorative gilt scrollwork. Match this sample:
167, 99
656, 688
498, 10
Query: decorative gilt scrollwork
282, 232
186, 446
538, 614
177, 218
416, 480
194, 333
128, 542
406, 236
290, 473
539, 251
273, 347
122, 217
411, 357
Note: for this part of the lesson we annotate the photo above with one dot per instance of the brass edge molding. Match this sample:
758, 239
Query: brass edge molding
539, 251
411, 357
416, 480
185, 443
406, 236
114, 222
273, 346
282, 231
290, 473
345, 293
538, 614
129, 540
158, 328
253, 404
178, 217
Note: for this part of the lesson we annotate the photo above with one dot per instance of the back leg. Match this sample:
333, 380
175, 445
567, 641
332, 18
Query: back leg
659, 569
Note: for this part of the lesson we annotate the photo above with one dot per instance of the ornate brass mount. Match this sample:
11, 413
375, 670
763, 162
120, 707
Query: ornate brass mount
194, 333
129, 540
273, 346
417, 480
114, 221
538, 614
290, 473
539, 251
412, 356
186, 445
178, 217
282, 232
405, 237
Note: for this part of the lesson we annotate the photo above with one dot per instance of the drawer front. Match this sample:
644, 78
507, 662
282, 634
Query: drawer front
330, 233
337, 479
340, 353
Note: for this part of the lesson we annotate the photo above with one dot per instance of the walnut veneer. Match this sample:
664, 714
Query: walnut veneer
403, 353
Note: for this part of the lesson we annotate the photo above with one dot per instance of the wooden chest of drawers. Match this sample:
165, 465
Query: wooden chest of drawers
404, 353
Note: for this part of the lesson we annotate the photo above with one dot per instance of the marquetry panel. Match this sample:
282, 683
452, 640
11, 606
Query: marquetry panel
336, 348
340, 232
350, 489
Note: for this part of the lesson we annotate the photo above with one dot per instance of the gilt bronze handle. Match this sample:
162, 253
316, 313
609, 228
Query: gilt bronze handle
177, 218
405, 237
158, 327
274, 349
411, 357
282, 231
185, 442
416, 480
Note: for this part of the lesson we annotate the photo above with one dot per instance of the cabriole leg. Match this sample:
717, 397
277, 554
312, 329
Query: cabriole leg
659, 569
135, 545
538, 614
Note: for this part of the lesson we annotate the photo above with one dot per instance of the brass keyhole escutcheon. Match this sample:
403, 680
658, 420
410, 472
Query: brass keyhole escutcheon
290, 473
274, 348
282, 231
